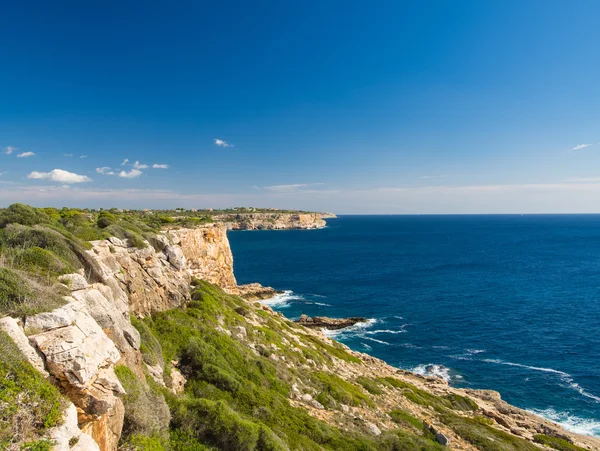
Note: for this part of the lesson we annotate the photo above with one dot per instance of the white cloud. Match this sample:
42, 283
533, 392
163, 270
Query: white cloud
134, 173
68, 155
2, 173
432, 176
83, 156
125, 161
60, 176
105, 170
160, 166
138, 165
9, 149
222, 143
581, 146
25, 155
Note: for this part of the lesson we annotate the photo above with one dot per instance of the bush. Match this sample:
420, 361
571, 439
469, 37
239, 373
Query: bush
406, 419
370, 385
485, 437
29, 404
557, 443
146, 412
339, 389
22, 214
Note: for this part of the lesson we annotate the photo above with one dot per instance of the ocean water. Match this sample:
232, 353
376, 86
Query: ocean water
503, 302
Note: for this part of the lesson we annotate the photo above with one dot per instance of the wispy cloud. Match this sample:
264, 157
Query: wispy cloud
581, 146
583, 180
138, 165
160, 166
83, 156
9, 149
60, 176
5, 172
25, 155
105, 170
134, 173
433, 176
125, 161
290, 188
68, 155
222, 143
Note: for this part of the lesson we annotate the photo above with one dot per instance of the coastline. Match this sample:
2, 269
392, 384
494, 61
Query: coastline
439, 383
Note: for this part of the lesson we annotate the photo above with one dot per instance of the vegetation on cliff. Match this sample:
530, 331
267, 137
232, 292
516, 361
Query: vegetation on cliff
29, 405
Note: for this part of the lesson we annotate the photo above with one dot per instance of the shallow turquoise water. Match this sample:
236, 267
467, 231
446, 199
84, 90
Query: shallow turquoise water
510, 303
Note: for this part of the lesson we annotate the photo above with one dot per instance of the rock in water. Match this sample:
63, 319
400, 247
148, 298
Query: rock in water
329, 323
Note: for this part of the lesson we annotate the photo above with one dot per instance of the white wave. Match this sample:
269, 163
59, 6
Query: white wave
319, 303
366, 346
378, 341
440, 347
565, 377
282, 300
475, 351
398, 317
573, 423
433, 370
384, 331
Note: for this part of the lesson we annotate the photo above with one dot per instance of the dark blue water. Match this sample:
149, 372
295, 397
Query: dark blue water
509, 303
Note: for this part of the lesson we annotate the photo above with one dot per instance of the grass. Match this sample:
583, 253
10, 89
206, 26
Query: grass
557, 443
29, 405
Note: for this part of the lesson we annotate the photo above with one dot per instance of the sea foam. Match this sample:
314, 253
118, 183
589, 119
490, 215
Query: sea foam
573, 423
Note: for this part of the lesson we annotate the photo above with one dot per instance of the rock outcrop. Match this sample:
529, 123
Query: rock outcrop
323, 322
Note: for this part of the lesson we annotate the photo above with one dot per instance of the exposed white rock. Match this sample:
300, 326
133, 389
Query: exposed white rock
68, 432
373, 429
316, 404
76, 348
175, 256
306, 397
74, 281
14, 331
108, 316
177, 381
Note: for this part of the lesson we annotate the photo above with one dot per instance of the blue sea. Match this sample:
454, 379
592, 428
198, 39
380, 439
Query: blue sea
503, 302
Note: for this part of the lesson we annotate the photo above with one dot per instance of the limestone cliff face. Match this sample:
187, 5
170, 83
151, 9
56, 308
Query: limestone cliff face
208, 255
274, 221
78, 345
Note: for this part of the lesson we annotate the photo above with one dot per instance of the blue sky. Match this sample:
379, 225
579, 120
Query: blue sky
352, 107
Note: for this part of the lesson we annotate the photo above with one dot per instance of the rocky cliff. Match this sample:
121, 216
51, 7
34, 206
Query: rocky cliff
273, 221
92, 351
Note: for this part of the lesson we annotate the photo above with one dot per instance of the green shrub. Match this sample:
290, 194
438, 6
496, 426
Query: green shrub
146, 412
557, 443
14, 291
370, 385
22, 214
458, 402
404, 418
29, 404
483, 436
340, 390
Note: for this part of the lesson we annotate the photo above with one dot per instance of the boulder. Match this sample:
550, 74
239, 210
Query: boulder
175, 256
74, 281
77, 348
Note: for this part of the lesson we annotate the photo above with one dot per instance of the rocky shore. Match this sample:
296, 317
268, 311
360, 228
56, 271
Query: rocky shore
323, 322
